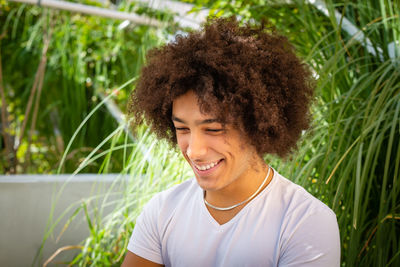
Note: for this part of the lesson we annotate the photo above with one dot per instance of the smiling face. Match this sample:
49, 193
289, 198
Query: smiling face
219, 156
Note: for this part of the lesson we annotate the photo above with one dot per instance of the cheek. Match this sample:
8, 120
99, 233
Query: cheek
182, 144
220, 145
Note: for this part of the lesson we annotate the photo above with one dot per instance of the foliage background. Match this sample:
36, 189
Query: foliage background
350, 159
87, 58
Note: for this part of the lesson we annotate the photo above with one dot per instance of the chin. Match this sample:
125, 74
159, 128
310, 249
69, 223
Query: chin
209, 184
206, 184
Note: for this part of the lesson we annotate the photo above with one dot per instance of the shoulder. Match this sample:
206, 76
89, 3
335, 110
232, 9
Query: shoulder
296, 200
306, 222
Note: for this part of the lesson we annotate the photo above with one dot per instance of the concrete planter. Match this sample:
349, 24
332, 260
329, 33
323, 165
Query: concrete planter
25, 205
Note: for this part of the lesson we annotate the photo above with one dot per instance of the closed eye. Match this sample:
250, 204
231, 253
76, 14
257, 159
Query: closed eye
181, 129
214, 130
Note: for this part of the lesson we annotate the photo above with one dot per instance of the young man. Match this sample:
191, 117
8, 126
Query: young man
228, 95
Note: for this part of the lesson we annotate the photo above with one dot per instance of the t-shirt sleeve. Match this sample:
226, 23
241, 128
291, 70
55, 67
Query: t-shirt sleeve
145, 240
314, 241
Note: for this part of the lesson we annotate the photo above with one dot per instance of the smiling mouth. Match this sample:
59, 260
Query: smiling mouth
205, 167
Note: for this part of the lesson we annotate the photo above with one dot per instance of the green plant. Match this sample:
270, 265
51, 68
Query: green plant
353, 157
82, 59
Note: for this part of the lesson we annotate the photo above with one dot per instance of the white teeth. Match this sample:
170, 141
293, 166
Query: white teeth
206, 167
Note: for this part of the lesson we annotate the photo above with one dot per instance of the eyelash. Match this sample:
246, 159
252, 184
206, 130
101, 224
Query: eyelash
208, 130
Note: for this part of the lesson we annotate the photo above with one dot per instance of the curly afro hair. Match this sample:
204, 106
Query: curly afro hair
245, 75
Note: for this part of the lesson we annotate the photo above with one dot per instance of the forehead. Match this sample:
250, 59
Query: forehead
187, 107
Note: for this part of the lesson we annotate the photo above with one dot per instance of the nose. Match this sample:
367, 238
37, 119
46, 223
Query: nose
196, 148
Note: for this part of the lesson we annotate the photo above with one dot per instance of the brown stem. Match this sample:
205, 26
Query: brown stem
39, 84
41, 71
28, 107
59, 251
389, 216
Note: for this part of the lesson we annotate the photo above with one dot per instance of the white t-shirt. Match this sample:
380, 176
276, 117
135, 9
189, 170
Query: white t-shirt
284, 225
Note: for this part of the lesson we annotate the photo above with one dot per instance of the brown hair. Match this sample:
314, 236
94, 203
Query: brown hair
248, 72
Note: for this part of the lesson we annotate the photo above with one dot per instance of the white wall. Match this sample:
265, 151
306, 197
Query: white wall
25, 204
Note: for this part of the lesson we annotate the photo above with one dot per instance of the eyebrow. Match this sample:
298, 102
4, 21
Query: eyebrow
196, 122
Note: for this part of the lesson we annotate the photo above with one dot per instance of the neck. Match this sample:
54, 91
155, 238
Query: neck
242, 188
